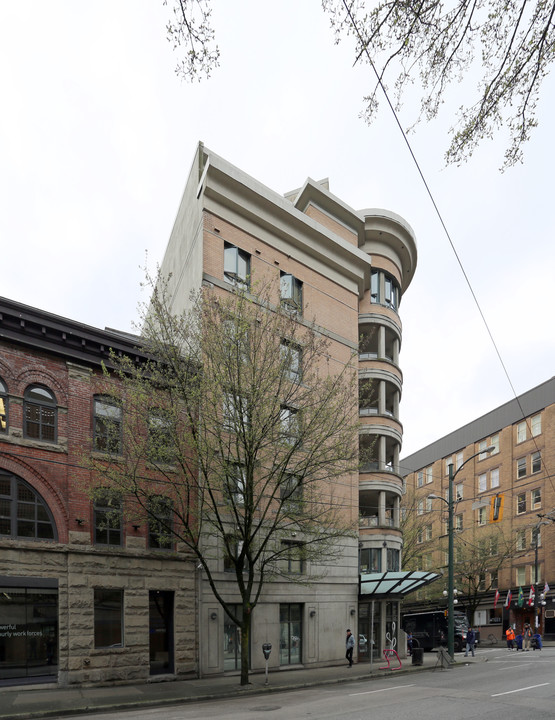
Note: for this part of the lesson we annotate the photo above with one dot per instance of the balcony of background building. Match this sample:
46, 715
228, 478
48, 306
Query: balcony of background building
379, 448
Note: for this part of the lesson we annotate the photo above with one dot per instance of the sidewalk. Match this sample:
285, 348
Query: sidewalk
41, 701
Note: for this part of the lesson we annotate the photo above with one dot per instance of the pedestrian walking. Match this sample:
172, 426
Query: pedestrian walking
470, 641
527, 636
510, 635
350, 645
409, 643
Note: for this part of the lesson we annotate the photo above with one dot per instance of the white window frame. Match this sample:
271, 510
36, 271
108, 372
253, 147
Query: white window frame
494, 478
521, 431
535, 498
536, 425
520, 468
482, 482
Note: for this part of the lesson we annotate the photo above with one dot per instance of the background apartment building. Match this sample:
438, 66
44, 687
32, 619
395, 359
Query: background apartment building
506, 494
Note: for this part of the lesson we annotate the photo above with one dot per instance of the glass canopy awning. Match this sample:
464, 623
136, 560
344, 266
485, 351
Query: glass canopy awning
395, 583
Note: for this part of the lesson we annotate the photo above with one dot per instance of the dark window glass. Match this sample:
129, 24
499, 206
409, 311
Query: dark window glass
108, 519
290, 634
536, 462
108, 618
23, 513
40, 413
107, 425
3, 407
160, 442
370, 560
160, 535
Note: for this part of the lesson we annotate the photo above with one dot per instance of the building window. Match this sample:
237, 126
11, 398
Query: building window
293, 557
420, 535
3, 407
426, 561
289, 424
235, 413
429, 475
459, 460
108, 519
536, 537
521, 432
521, 467
40, 412
236, 484
108, 618
428, 532
107, 428
420, 507
391, 292
482, 516
459, 522
520, 576
232, 640
494, 443
160, 444
393, 559
536, 462
291, 358
536, 425
291, 493
23, 513
420, 479
291, 291
232, 551
484, 444
370, 560
482, 482
160, 517
494, 478
536, 499
290, 634
429, 504
494, 546
459, 491
375, 286
520, 503
236, 266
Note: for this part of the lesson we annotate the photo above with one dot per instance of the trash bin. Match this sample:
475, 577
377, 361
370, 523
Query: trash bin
417, 656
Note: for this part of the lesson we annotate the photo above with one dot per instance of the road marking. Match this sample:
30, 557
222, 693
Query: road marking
395, 687
531, 687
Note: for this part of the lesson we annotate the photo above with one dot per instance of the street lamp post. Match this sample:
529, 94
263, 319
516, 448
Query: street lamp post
450, 560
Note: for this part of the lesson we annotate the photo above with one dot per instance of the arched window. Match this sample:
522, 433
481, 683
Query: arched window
3, 407
40, 413
23, 513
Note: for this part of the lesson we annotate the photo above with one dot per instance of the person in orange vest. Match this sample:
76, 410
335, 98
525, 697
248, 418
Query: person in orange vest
510, 635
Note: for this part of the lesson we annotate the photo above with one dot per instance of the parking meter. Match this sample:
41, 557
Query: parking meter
266, 649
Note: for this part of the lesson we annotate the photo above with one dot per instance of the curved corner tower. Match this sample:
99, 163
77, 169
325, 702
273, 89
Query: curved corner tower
390, 242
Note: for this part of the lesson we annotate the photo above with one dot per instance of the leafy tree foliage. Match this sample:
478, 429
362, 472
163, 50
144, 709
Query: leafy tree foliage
240, 434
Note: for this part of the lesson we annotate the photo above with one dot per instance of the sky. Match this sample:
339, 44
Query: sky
97, 136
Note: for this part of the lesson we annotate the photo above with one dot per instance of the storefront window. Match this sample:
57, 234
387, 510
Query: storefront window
108, 618
232, 641
28, 632
290, 634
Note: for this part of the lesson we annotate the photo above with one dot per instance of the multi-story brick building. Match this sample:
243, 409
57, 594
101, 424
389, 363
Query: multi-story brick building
506, 492
350, 268
82, 599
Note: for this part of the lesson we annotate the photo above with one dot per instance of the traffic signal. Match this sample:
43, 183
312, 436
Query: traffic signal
496, 508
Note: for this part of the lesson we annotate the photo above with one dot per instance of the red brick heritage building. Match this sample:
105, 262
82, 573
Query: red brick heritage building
81, 600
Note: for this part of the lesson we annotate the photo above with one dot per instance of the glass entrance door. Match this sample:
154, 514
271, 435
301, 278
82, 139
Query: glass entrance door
161, 632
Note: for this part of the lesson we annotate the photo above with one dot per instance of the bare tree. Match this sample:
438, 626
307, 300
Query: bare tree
240, 432
191, 33
433, 44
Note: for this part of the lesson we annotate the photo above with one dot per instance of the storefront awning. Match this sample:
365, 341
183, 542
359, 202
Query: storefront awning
395, 583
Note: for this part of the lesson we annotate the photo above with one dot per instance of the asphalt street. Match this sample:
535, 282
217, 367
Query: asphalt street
498, 685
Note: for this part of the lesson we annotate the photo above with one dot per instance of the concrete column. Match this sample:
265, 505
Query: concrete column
381, 508
396, 512
396, 451
396, 405
381, 397
381, 342
381, 452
